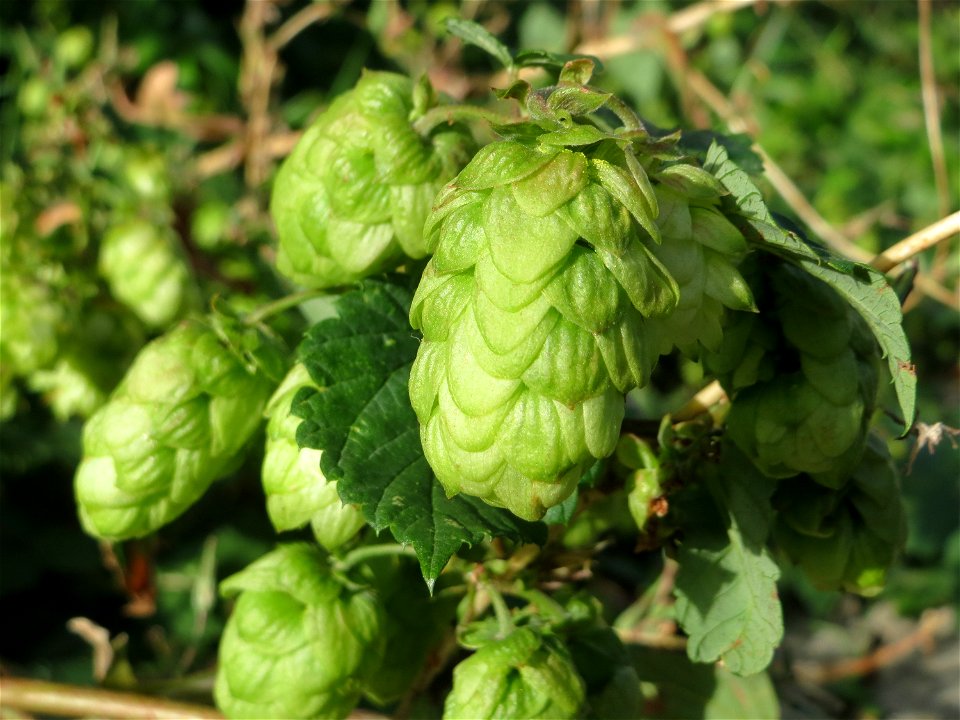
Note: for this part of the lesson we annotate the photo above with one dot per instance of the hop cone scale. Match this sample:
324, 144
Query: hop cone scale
534, 313
178, 421
352, 197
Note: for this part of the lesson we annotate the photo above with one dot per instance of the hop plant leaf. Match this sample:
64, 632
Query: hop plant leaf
726, 585
844, 539
178, 421
300, 641
535, 314
146, 272
352, 198
296, 489
528, 674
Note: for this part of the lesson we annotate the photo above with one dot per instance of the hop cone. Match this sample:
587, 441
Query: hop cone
526, 675
145, 272
297, 492
177, 422
352, 198
533, 311
299, 642
30, 321
701, 249
805, 384
844, 539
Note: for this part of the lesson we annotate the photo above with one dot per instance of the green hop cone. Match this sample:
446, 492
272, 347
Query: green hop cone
352, 197
701, 249
300, 641
844, 539
146, 272
297, 491
804, 384
529, 674
177, 421
534, 314
30, 320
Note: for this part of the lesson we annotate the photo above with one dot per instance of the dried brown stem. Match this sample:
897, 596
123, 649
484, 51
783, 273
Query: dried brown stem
679, 22
300, 21
47, 698
931, 107
932, 624
918, 242
700, 403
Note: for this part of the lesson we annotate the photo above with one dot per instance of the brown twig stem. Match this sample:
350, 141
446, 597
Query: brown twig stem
300, 21
47, 698
679, 22
918, 242
931, 107
705, 399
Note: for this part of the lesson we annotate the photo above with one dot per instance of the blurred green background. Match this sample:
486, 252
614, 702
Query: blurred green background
178, 112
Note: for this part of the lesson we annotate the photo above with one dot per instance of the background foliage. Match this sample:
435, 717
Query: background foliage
180, 112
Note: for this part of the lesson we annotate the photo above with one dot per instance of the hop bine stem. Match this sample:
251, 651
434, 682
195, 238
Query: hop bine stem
452, 113
363, 554
500, 609
285, 303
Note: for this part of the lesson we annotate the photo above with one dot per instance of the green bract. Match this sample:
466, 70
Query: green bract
297, 492
177, 422
534, 315
526, 675
701, 249
352, 197
145, 271
844, 539
300, 640
804, 383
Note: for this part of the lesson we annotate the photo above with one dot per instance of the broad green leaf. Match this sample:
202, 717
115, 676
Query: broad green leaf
726, 586
362, 420
688, 691
474, 34
865, 288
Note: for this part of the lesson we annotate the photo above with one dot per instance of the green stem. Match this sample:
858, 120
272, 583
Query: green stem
452, 113
284, 303
363, 554
500, 609
630, 119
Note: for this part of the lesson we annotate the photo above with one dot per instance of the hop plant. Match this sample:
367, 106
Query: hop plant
352, 198
701, 249
145, 271
534, 310
804, 383
176, 422
300, 640
296, 489
528, 674
844, 539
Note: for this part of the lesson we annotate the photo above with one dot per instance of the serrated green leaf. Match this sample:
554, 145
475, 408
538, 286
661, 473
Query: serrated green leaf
363, 422
474, 34
865, 288
690, 691
726, 586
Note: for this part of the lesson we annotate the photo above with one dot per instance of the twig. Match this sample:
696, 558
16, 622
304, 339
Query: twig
679, 22
932, 624
931, 108
300, 21
700, 403
781, 182
918, 242
47, 698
